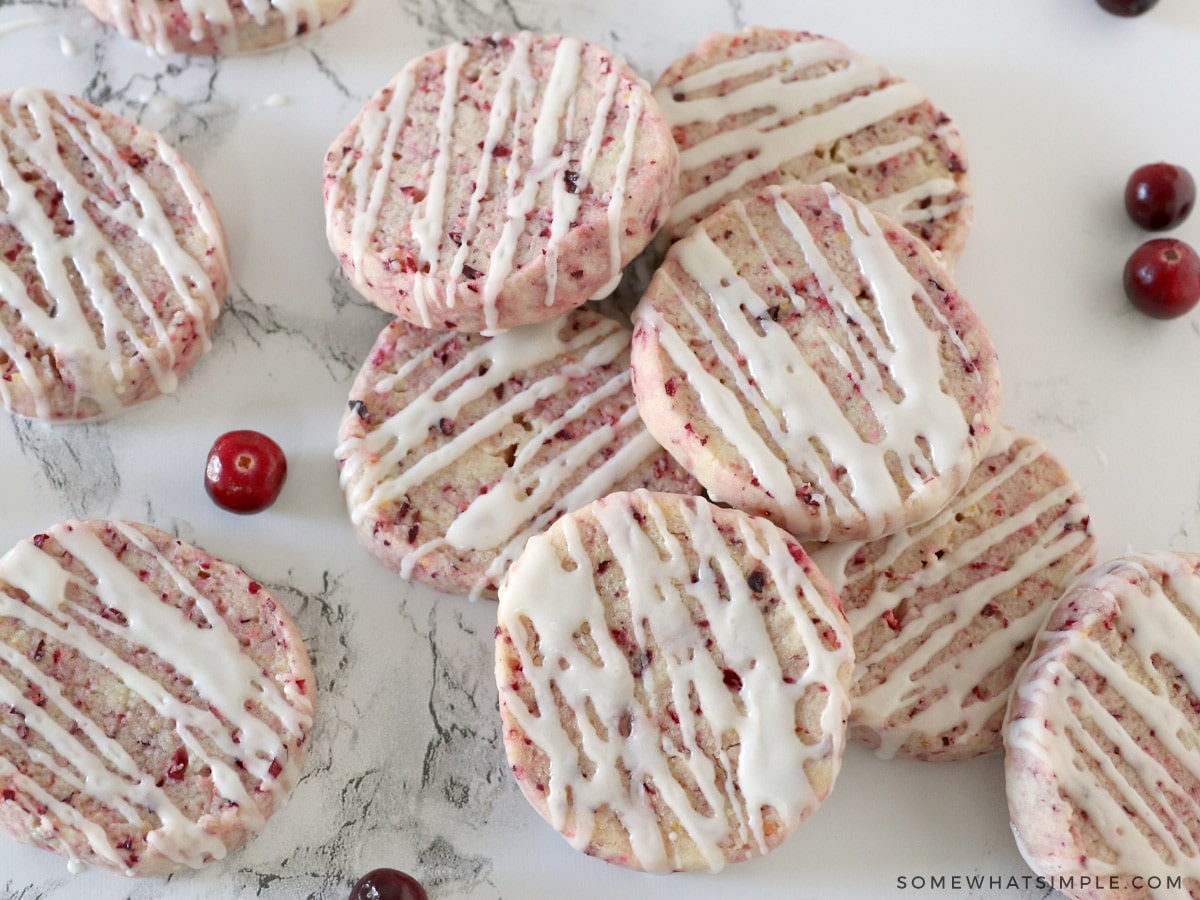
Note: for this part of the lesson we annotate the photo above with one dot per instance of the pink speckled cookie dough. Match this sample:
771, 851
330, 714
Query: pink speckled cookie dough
1102, 765
769, 106
212, 27
155, 702
944, 613
812, 362
499, 181
456, 448
673, 681
113, 265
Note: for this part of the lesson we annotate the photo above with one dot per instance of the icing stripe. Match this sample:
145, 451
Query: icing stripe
782, 116
562, 160
764, 371
92, 358
382, 466
1058, 723
765, 762
219, 730
920, 671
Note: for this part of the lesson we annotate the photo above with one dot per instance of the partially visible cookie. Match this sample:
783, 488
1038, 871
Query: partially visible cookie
673, 681
155, 702
813, 362
455, 448
945, 612
113, 265
214, 27
769, 106
1102, 740
498, 182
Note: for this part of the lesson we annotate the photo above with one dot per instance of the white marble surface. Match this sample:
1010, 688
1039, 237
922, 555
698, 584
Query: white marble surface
1058, 102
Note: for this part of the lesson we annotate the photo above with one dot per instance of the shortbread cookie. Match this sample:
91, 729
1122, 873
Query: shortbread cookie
499, 181
944, 613
811, 362
456, 448
154, 702
113, 266
213, 27
767, 106
673, 681
1102, 755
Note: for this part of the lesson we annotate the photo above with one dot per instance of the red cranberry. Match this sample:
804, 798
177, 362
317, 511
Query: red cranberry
1126, 8
1159, 195
245, 471
1162, 278
387, 884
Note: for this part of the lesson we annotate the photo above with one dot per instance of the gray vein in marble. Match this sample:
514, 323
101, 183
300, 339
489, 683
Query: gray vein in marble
337, 348
452, 20
76, 462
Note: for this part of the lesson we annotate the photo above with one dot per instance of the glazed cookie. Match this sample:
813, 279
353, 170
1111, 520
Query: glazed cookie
113, 266
213, 27
811, 362
1102, 763
768, 106
673, 681
498, 182
943, 613
154, 702
456, 448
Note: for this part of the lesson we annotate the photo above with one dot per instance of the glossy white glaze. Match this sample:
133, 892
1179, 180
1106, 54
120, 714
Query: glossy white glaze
559, 599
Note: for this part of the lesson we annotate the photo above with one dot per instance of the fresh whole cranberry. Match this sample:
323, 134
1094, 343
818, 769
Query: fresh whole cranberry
1159, 195
245, 471
387, 884
1127, 8
1162, 278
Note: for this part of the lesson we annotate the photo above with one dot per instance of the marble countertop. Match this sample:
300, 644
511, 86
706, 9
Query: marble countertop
1058, 102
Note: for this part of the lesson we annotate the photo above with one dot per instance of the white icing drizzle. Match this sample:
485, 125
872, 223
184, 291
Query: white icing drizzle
771, 138
383, 465
228, 681
906, 682
561, 601
93, 364
556, 153
781, 386
157, 22
1155, 629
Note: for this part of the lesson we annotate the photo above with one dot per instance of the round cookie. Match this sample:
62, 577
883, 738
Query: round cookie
154, 702
113, 265
499, 181
812, 362
673, 681
944, 613
215, 27
769, 106
1102, 765
455, 448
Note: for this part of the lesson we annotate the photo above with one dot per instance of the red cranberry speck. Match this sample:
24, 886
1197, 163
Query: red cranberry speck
1127, 8
1162, 278
245, 471
387, 884
1159, 195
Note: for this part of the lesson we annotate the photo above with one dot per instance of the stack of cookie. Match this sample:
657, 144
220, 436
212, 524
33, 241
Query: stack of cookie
677, 634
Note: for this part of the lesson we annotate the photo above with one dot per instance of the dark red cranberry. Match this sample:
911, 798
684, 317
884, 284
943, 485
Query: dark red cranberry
1127, 8
1162, 278
1159, 195
387, 884
245, 471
